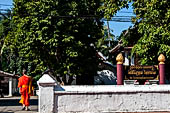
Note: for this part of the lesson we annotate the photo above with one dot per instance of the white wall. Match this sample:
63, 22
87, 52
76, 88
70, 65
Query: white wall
101, 98
98, 99
46, 94
126, 62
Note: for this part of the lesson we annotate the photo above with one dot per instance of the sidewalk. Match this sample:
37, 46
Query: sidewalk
11, 105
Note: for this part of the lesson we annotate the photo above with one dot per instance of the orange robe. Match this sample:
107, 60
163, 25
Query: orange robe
25, 84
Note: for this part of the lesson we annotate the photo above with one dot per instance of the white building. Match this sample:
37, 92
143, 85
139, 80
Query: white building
8, 84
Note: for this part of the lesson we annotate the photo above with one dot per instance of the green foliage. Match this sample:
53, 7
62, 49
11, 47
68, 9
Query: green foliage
110, 7
11, 61
154, 18
103, 43
59, 35
7, 58
54, 34
130, 36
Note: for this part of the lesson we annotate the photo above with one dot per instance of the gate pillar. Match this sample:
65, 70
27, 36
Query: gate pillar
161, 60
119, 60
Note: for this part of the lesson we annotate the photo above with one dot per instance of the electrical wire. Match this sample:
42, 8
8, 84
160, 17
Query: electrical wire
125, 12
115, 18
5, 5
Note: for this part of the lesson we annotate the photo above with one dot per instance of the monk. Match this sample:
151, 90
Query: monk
25, 85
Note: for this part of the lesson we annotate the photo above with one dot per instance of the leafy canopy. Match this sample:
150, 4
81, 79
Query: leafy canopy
59, 35
56, 34
154, 23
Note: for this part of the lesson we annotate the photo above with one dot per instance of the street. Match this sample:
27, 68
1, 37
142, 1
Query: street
12, 105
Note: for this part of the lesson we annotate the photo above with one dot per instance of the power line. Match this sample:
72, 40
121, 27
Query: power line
5, 5
5, 10
125, 12
77, 10
115, 18
12, 5
67, 16
118, 11
123, 16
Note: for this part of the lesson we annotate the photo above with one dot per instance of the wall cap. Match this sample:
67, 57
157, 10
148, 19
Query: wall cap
114, 89
46, 79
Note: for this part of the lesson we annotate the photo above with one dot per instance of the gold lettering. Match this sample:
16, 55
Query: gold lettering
139, 72
149, 72
131, 72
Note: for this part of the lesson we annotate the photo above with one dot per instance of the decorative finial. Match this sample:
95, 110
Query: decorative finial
119, 58
161, 59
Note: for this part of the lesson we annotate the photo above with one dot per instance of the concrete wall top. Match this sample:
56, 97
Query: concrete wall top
114, 89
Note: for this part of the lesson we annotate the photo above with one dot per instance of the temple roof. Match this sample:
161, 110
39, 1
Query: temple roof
5, 74
116, 48
119, 47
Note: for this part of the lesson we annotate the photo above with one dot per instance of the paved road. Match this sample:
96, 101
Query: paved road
11, 105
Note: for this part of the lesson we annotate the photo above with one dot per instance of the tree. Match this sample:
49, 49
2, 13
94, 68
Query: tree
58, 35
6, 25
153, 17
152, 23
107, 42
150, 35
130, 36
110, 7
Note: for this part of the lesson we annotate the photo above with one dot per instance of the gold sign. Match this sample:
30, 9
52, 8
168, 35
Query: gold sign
141, 72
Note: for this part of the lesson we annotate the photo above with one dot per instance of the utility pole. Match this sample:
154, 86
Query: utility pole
108, 31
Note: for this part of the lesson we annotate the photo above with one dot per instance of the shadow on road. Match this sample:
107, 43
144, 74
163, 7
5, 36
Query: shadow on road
6, 112
15, 102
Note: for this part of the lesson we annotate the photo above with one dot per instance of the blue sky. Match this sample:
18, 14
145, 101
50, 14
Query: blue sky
117, 27
6, 2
